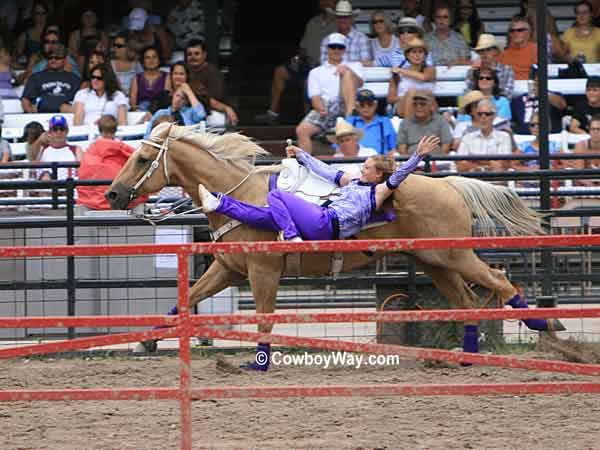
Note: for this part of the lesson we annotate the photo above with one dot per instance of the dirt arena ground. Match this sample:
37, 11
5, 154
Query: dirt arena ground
505, 422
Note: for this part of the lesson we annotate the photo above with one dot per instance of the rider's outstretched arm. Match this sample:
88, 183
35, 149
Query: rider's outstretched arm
384, 190
320, 168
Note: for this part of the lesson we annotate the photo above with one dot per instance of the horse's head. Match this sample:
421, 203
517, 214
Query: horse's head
145, 171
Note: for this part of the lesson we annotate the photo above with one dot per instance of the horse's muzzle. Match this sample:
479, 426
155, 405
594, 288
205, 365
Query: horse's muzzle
118, 196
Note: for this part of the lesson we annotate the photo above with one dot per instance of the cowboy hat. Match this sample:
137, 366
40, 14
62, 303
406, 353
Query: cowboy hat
343, 8
343, 128
415, 43
486, 41
410, 22
471, 97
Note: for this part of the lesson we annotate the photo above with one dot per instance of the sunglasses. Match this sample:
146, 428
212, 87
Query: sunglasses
442, 17
51, 41
486, 78
55, 58
486, 113
119, 45
366, 102
534, 124
58, 128
40, 13
407, 31
518, 30
337, 47
96, 77
376, 21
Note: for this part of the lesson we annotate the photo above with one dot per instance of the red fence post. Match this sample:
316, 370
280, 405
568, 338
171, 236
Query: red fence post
185, 333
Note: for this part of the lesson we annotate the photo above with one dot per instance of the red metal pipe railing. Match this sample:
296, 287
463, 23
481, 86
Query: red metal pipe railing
184, 326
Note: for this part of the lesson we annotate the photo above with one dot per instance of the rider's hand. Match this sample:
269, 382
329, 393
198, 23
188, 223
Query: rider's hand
428, 144
292, 150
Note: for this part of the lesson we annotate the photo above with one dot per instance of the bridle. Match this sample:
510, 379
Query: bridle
162, 153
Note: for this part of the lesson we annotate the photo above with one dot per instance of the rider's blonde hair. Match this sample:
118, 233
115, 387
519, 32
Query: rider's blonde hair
384, 164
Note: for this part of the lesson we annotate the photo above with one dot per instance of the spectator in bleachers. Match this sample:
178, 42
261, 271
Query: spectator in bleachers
384, 43
148, 85
52, 146
488, 51
146, 5
102, 160
39, 61
467, 21
125, 62
407, 30
92, 60
523, 107
5, 151
485, 141
424, 122
582, 40
149, 34
521, 53
357, 42
31, 133
407, 79
378, 131
591, 145
348, 140
103, 97
467, 117
186, 22
87, 38
555, 48
185, 108
486, 81
332, 91
206, 77
447, 47
14, 11
51, 90
29, 42
533, 148
587, 108
295, 71
8, 79
410, 9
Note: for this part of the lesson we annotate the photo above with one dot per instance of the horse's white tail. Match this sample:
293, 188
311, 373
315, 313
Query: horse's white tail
492, 204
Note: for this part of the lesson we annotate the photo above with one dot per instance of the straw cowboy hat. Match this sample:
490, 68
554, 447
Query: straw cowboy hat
416, 43
471, 97
343, 128
486, 41
410, 22
343, 8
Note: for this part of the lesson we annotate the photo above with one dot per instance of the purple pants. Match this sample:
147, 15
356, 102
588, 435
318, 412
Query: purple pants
285, 212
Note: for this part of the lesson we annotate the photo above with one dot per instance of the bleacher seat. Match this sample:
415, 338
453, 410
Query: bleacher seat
12, 106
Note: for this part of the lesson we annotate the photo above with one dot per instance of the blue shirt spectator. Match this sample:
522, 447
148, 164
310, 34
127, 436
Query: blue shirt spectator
185, 109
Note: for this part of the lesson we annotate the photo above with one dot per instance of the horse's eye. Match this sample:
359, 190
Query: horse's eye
141, 160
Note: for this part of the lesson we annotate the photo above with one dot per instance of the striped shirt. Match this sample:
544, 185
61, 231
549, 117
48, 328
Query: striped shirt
444, 51
357, 47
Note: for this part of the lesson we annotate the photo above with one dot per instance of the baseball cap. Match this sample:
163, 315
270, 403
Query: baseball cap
365, 95
336, 39
593, 81
57, 121
137, 19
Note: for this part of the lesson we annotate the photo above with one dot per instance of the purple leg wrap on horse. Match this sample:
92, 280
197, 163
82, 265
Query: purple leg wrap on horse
262, 358
286, 212
532, 324
471, 339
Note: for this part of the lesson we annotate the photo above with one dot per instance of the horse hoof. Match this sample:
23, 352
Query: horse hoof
146, 347
252, 365
555, 325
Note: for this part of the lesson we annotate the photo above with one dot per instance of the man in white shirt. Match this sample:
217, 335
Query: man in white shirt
331, 89
487, 141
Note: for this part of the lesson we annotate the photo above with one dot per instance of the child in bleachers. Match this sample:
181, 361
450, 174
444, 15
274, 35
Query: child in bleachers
31, 133
7, 77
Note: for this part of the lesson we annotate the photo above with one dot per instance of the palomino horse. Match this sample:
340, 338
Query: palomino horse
424, 207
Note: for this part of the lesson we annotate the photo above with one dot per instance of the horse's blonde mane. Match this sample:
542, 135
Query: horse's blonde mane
228, 146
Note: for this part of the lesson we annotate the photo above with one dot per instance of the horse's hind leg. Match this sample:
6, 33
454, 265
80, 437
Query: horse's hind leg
264, 274
474, 269
451, 285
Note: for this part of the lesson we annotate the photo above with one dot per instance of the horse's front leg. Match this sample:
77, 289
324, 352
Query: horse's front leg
264, 273
213, 281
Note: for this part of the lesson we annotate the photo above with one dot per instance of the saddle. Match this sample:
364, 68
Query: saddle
297, 179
